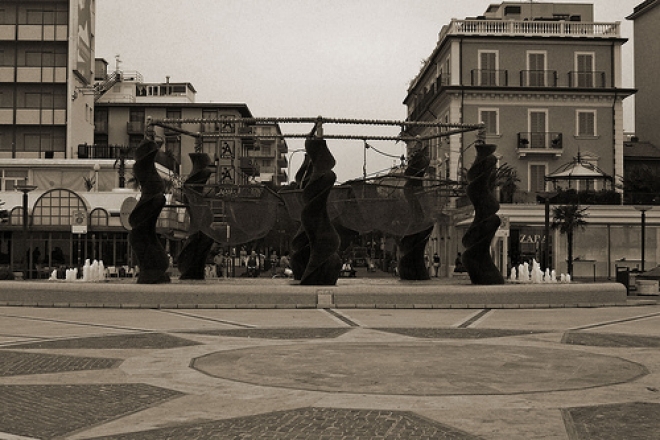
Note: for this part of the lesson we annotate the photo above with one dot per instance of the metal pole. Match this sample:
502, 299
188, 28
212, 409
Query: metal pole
643, 236
546, 253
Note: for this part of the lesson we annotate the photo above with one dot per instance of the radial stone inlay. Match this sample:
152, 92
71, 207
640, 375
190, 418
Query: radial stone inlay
419, 368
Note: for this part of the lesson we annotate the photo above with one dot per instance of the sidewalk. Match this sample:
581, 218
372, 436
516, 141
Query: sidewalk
498, 374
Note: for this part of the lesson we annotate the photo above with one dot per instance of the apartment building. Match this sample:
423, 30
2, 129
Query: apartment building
646, 17
546, 80
123, 110
66, 126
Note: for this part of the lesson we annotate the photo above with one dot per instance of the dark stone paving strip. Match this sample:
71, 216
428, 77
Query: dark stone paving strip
84, 324
457, 333
342, 317
609, 340
17, 364
128, 341
474, 319
310, 423
613, 422
277, 333
51, 411
617, 321
206, 318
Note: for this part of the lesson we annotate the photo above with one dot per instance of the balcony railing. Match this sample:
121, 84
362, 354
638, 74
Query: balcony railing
587, 79
538, 140
135, 127
531, 28
490, 78
86, 151
538, 78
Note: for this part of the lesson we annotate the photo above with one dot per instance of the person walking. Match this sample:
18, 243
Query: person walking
436, 263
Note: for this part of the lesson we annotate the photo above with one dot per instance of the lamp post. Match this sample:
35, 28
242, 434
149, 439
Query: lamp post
643, 209
546, 196
25, 189
288, 170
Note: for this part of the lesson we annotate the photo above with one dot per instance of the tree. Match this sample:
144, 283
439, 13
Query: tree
4, 215
506, 179
568, 218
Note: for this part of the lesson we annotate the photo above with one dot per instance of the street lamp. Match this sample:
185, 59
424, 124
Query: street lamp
288, 170
25, 189
643, 209
546, 196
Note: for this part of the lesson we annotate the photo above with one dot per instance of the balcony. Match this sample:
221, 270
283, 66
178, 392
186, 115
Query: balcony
537, 142
101, 127
249, 166
101, 151
135, 127
530, 29
490, 78
538, 78
587, 80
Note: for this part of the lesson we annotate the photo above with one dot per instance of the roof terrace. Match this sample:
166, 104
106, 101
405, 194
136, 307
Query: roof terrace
526, 28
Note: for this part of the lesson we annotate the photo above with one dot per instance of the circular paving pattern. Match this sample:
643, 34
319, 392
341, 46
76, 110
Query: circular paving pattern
418, 368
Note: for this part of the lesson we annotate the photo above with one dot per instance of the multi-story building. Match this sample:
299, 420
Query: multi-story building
646, 17
46, 59
122, 114
67, 152
546, 80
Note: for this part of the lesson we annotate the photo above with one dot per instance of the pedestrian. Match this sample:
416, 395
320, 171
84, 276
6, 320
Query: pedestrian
219, 263
458, 264
436, 263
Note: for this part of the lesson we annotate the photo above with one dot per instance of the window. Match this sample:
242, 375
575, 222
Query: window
490, 118
488, 66
584, 69
266, 150
512, 10
586, 123
538, 127
536, 67
266, 163
34, 16
11, 178
32, 100
537, 177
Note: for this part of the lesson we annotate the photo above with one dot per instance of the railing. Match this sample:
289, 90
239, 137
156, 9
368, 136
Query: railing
490, 78
586, 79
531, 28
538, 78
537, 140
105, 152
101, 127
135, 127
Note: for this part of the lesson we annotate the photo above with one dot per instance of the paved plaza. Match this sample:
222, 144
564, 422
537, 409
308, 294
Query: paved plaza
330, 373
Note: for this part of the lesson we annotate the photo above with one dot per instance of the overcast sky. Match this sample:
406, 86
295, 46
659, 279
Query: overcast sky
335, 58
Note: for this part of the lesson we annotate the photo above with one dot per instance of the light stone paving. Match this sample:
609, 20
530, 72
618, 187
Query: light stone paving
515, 412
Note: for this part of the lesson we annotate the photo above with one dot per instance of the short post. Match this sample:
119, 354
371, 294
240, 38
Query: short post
643, 209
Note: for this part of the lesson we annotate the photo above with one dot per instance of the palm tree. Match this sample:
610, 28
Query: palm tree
4, 215
568, 218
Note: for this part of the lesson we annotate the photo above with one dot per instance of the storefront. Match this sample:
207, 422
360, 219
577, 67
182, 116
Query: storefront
66, 228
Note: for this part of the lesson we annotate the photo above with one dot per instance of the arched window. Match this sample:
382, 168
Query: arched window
57, 207
99, 217
16, 216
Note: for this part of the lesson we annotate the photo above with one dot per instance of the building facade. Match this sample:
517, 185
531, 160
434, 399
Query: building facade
66, 132
646, 17
127, 102
546, 81
46, 60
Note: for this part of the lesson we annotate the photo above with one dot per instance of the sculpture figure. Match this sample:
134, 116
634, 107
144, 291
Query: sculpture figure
192, 258
300, 242
412, 265
481, 191
324, 263
152, 258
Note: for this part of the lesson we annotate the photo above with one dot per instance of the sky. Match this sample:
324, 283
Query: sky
303, 58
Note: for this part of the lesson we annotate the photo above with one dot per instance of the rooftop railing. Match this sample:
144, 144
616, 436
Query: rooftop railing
531, 28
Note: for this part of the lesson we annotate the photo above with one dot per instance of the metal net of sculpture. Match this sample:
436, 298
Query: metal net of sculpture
404, 205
